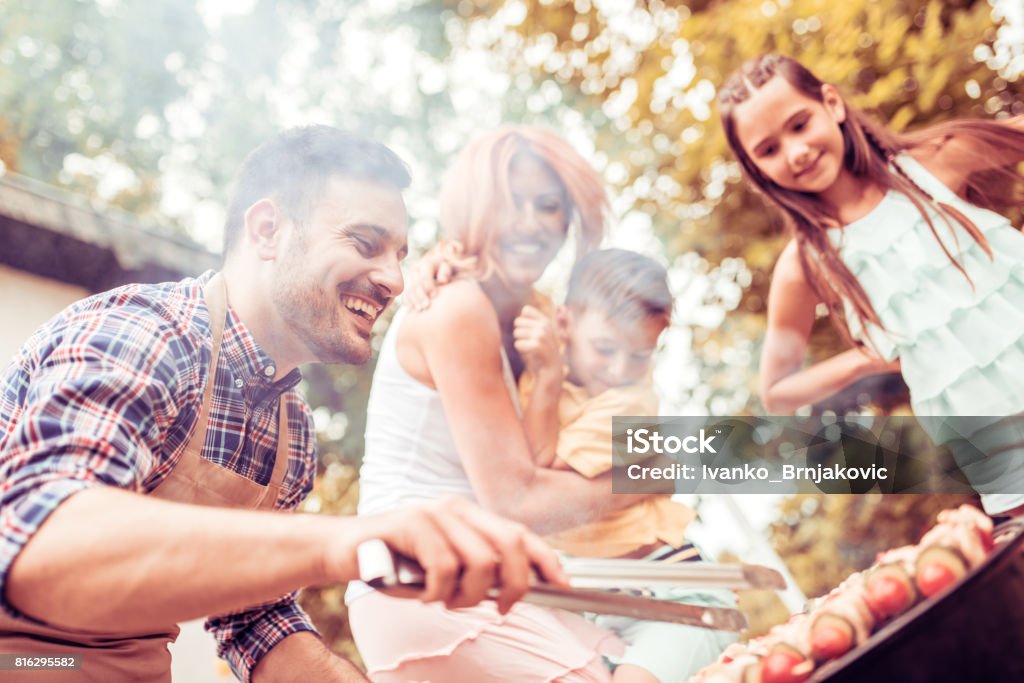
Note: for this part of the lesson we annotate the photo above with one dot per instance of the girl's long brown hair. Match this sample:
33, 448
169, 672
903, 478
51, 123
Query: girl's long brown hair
869, 150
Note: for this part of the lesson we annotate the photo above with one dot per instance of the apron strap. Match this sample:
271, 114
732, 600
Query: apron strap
270, 493
215, 293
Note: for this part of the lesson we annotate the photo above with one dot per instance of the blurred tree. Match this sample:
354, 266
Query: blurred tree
644, 76
151, 106
82, 91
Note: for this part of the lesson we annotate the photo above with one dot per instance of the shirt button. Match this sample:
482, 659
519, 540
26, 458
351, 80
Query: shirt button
239, 382
269, 371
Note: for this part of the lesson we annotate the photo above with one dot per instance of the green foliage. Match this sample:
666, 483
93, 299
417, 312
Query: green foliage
153, 88
76, 77
645, 75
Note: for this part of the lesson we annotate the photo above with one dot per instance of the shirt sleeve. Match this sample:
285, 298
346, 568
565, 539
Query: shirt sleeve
244, 638
585, 444
93, 399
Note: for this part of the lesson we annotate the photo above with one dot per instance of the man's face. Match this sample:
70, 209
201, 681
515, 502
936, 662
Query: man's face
338, 268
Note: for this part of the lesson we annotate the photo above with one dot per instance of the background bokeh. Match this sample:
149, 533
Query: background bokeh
150, 105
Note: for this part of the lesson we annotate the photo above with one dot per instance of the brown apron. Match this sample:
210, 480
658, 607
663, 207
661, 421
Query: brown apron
114, 657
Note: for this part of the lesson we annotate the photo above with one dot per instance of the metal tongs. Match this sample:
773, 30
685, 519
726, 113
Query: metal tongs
596, 585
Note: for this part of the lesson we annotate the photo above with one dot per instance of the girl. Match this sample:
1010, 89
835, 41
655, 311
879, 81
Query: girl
896, 235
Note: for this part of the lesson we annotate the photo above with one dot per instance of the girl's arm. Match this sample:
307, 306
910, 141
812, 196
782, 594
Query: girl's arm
791, 304
458, 341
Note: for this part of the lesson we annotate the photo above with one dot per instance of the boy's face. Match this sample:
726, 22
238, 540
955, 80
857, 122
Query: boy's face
603, 354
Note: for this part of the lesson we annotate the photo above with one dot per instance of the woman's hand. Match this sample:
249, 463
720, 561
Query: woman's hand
436, 268
534, 338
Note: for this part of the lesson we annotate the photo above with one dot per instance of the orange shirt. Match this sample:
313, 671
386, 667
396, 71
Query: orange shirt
585, 445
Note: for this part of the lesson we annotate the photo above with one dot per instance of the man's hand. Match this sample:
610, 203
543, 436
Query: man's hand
535, 340
464, 550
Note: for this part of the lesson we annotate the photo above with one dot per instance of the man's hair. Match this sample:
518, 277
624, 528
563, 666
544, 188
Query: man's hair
293, 168
622, 285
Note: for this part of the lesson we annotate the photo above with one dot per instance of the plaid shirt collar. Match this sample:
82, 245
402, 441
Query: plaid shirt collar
251, 368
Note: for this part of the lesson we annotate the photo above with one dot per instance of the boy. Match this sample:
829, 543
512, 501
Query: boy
617, 305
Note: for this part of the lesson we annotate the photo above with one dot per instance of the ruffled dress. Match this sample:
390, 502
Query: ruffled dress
960, 343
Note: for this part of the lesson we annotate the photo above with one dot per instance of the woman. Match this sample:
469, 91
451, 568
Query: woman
443, 418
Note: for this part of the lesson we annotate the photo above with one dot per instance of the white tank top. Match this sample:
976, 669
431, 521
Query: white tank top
410, 454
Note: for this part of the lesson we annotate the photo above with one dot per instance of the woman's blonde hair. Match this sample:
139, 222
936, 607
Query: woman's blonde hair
475, 193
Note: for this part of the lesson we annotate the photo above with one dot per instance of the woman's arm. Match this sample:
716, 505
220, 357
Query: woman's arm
791, 304
458, 341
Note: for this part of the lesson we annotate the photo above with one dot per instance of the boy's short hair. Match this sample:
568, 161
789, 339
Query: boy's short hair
623, 285
293, 167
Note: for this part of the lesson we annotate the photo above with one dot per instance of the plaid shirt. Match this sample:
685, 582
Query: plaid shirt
107, 393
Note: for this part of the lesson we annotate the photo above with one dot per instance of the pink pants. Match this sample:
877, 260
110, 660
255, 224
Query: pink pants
404, 641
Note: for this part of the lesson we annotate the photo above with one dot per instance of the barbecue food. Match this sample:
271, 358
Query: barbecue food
841, 620
845, 618
889, 588
785, 664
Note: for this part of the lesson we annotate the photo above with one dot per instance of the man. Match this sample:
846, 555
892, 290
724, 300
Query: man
150, 437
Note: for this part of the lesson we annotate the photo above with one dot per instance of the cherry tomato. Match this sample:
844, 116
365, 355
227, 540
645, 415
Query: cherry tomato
831, 637
785, 665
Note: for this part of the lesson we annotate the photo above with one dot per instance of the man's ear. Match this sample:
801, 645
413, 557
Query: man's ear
263, 222
563, 323
833, 102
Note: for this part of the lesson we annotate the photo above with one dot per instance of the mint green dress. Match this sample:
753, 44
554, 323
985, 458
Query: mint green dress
960, 343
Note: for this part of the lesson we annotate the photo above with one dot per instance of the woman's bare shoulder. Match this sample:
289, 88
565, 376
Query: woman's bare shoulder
462, 304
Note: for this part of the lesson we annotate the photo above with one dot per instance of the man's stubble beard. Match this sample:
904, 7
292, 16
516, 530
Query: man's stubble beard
316, 318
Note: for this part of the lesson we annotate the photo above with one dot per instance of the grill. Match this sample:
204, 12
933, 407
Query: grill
973, 633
